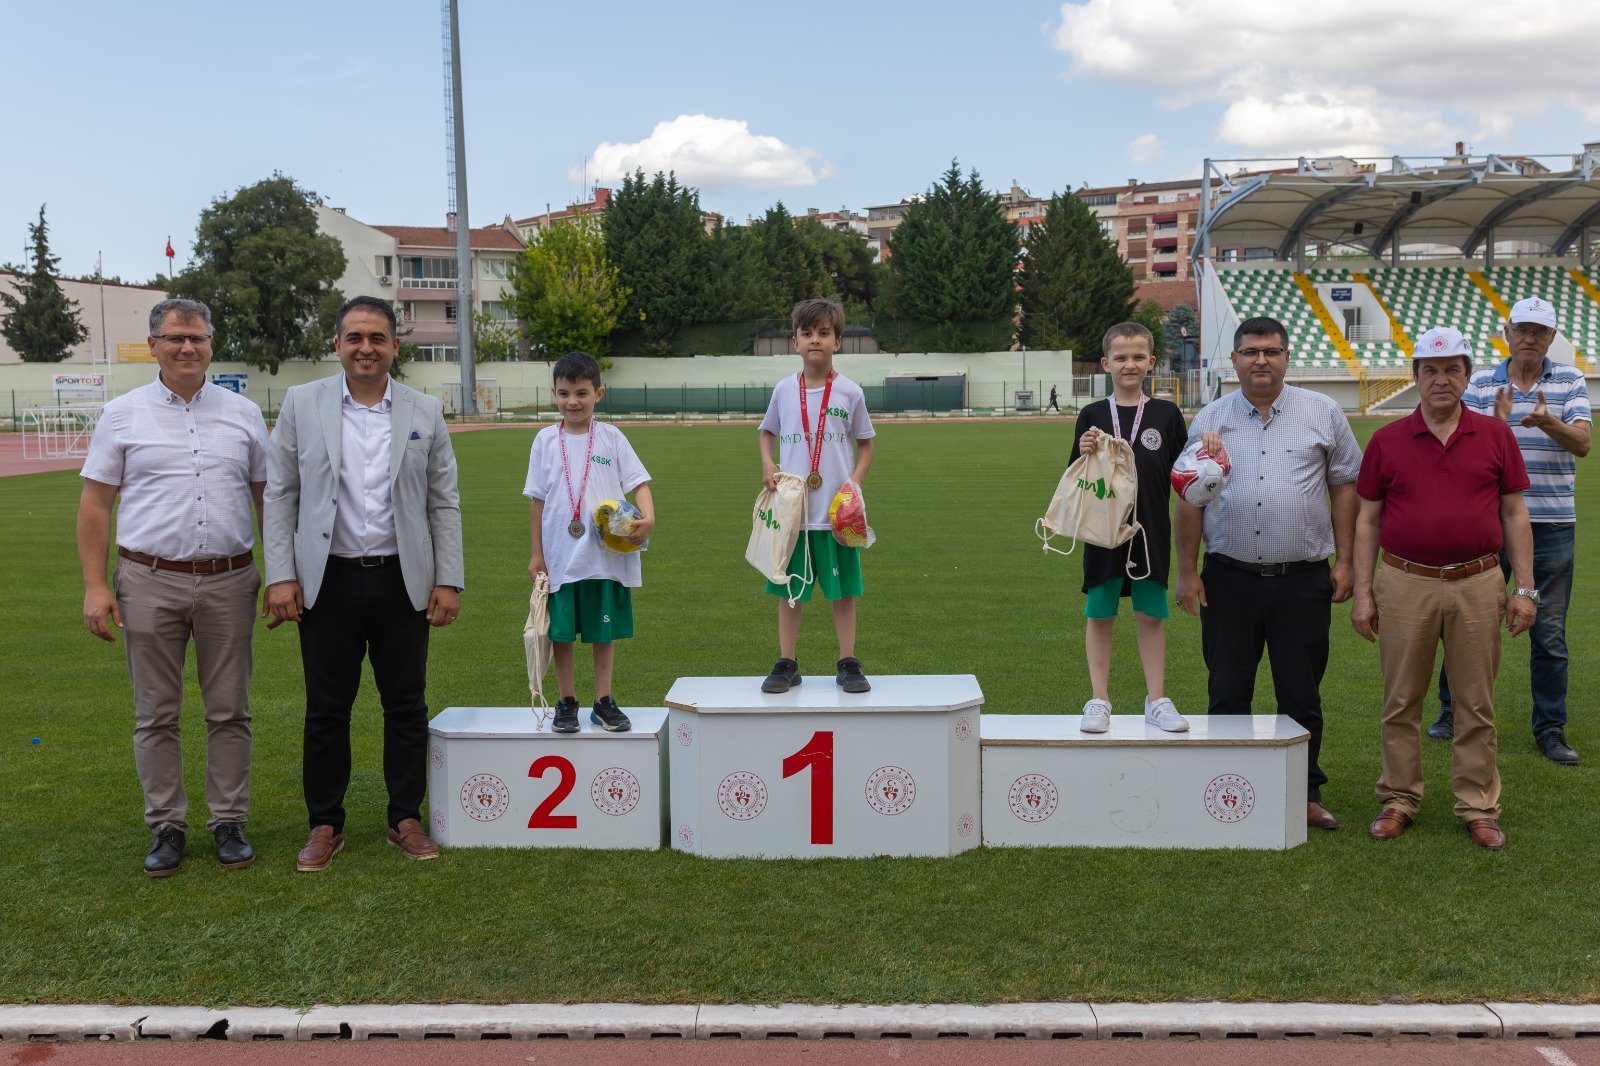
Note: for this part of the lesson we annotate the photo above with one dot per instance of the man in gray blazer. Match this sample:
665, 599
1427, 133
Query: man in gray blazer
363, 549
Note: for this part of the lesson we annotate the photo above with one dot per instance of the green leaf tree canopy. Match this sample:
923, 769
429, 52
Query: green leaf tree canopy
41, 324
655, 236
268, 275
565, 291
846, 261
954, 253
1074, 284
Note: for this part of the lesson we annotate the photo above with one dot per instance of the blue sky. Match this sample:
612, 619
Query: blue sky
128, 119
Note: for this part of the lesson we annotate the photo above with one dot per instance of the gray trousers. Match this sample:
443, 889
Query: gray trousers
161, 611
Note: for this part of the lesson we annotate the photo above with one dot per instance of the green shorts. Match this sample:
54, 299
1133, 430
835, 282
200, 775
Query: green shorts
837, 568
600, 610
1103, 601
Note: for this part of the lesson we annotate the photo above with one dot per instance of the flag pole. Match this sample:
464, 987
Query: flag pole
105, 341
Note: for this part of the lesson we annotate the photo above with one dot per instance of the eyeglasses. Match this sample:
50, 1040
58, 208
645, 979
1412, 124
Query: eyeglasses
1538, 333
1252, 354
178, 340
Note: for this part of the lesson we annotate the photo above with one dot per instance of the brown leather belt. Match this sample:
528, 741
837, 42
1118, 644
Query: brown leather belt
1444, 573
202, 566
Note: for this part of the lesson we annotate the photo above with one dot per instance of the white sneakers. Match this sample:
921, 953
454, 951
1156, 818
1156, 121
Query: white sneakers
1163, 715
1096, 716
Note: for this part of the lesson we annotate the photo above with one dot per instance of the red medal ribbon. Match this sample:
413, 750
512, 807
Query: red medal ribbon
577, 504
814, 440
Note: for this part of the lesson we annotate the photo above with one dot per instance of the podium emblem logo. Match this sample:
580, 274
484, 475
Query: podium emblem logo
1230, 798
685, 734
484, 797
686, 837
891, 790
436, 755
963, 727
615, 791
1033, 797
438, 823
964, 826
742, 796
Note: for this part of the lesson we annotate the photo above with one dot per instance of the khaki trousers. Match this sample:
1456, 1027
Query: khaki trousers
1414, 614
161, 611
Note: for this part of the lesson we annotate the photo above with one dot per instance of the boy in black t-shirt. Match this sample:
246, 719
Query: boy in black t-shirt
1156, 431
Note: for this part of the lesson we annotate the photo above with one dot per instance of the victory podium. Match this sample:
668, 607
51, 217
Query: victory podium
497, 779
1232, 781
820, 772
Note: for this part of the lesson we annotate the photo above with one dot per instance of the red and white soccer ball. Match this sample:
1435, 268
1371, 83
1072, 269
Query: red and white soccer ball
1198, 476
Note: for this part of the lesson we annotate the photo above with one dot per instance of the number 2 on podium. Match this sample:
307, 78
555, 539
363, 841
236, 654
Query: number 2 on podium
542, 817
818, 755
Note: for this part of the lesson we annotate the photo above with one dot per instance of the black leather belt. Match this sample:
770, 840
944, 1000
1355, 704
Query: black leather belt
365, 560
1266, 569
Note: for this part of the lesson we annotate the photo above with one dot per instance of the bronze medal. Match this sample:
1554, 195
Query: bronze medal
814, 480
576, 527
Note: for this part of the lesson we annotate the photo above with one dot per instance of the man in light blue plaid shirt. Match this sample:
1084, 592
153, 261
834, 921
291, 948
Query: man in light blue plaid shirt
1547, 405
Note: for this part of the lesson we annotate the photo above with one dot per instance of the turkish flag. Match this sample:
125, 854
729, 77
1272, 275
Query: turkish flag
170, 252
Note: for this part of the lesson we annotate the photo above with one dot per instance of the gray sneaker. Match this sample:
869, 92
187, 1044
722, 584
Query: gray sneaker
1096, 716
1163, 715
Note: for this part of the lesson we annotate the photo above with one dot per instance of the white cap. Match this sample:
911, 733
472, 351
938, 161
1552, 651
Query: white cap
1534, 310
1441, 342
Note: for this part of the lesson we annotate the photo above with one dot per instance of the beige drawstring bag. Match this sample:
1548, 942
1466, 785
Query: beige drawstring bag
775, 529
536, 644
1094, 502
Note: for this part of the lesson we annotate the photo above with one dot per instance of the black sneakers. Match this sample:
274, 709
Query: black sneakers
566, 720
785, 676
1444, 726
850, 678
166, 854
1553, 744
233, 850
609, 716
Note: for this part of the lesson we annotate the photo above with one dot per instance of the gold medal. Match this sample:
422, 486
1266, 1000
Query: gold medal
814, 480
576, 527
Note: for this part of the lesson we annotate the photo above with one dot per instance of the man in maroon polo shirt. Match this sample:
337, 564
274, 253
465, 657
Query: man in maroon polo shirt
1441, 492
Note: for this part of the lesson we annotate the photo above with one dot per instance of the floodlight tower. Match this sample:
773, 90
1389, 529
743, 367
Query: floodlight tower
456, 163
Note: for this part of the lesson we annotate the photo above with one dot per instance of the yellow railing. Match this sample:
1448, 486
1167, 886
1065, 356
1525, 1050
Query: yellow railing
1335, 334
1585, 360
1376, 388
1401, 341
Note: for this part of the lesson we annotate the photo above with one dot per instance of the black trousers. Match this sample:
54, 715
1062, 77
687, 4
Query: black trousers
364, 612
1289, 617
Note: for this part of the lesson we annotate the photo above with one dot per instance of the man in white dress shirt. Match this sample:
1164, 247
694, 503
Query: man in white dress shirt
187, 459
363, 549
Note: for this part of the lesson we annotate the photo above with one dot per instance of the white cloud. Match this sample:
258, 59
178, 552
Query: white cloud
709, 153
1144, 148
1359, 77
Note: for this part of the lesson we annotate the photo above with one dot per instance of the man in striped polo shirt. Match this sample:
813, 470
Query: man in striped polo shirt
1547, 405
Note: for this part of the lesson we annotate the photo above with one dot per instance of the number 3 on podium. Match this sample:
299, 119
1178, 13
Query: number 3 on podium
818, 755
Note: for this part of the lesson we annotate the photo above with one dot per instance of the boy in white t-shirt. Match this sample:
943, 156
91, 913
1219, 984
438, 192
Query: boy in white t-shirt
573, 468
819, 420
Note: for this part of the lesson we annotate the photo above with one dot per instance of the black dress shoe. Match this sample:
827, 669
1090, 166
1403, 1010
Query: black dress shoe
1444, 726
233, 850
166, 854
1553, 743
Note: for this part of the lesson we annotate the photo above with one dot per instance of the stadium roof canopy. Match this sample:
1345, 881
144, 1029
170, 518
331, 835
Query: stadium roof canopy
1376, 208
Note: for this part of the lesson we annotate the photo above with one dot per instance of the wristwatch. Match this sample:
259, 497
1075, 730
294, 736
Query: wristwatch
1531, 594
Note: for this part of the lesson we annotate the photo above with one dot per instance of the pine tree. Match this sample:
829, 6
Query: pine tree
954, 253
1074, 284
43, 324
655, 237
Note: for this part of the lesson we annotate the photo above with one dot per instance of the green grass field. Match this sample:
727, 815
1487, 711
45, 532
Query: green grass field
956, 584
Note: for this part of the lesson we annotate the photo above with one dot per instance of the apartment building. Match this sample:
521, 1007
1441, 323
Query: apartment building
595, 208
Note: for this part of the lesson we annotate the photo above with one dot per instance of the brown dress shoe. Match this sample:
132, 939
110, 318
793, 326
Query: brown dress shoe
412, 841
1390, 824
1317, 817
1485, 833
324, 843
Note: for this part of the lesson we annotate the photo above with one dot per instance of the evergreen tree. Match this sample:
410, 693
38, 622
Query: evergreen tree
43, 324
566, 292
847, 262
1074, 284
269, 277
655, 236
955, 254
790, 266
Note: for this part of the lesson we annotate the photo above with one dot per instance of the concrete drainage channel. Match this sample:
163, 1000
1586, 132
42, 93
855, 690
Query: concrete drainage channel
595, 1021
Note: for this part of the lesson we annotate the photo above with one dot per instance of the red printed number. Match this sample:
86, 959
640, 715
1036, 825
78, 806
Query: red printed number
818, 755
541, 817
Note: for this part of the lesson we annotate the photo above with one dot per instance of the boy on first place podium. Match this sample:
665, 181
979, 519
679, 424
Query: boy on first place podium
819, 420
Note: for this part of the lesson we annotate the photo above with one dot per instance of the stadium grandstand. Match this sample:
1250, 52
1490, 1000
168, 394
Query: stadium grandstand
1358, 258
